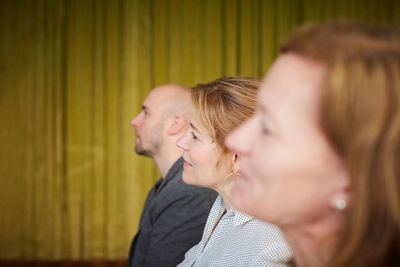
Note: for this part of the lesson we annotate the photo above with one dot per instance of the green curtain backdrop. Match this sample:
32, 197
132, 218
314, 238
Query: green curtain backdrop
75, 72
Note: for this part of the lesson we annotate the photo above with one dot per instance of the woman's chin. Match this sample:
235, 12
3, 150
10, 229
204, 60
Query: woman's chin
188, 179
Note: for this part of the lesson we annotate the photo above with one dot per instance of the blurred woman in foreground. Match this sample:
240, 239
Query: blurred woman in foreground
321, 156
230, 238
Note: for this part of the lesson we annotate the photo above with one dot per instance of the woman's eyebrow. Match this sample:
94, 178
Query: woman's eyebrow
194, 127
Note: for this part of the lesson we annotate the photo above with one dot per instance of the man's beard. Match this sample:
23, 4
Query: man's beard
151, 146
141, 151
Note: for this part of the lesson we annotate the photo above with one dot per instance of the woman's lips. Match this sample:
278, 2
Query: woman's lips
186, 164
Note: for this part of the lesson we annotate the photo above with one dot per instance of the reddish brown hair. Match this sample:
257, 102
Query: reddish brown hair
224, 104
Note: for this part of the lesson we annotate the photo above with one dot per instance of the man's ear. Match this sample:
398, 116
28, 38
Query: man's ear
235, 163
178, 123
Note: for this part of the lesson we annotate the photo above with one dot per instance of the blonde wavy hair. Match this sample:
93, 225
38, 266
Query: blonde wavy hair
224, 104
360, 115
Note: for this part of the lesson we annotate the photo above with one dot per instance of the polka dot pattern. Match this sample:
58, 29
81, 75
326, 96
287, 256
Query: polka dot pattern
238, 240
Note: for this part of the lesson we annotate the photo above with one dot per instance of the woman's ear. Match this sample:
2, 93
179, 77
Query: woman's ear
340, 199
178, 123
235, 163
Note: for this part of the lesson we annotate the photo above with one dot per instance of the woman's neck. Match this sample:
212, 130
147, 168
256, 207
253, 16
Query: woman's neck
312, 244
226, 198
304, 250
225, 188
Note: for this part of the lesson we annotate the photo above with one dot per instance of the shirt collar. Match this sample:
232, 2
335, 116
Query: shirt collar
239, 218
176, 167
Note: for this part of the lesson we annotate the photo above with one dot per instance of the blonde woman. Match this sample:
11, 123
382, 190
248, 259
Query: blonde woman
230, 238
320, 157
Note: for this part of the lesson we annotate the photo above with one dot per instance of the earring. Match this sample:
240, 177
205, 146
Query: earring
230, 174
340, 204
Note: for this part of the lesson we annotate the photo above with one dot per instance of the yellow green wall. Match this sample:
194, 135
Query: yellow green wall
74, 72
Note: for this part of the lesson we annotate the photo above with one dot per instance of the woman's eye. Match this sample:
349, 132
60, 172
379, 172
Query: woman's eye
264, 128
194, 137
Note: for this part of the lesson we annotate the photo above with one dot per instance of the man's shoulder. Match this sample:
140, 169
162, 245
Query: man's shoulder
178, 188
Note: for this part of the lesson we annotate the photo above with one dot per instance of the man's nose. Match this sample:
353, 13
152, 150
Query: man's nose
135, 122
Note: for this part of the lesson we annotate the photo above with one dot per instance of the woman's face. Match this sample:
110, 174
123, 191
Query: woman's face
201, 155
289, 173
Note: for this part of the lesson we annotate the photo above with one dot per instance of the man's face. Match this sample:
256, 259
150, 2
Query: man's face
149, 126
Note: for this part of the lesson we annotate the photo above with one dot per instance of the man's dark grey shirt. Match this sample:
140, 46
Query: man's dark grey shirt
172, 221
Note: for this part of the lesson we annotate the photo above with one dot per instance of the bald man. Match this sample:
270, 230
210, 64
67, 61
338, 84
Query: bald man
175, 213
